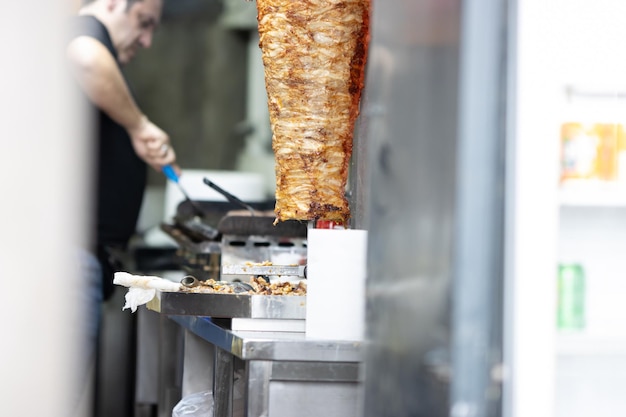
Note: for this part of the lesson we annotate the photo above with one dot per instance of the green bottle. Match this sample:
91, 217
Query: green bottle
571, 297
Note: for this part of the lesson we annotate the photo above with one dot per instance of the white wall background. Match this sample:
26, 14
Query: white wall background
591, 42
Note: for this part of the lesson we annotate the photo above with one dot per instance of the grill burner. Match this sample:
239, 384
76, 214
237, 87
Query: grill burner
241, 238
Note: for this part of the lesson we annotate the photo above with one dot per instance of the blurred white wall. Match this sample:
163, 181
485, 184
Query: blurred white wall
532, 211
591, 42
43, 172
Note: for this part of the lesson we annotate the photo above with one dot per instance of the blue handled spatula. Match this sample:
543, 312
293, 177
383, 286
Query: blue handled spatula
169, 172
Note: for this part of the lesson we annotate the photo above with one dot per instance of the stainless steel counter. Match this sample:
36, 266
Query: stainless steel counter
230, 305
271, 346
285, 374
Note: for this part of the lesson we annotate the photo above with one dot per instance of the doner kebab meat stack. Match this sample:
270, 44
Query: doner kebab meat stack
314, 54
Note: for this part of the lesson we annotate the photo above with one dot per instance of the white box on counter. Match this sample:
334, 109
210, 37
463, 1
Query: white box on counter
336, 273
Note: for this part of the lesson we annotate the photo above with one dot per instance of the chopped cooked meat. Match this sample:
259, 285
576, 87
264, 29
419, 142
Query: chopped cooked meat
260, 286
314, 54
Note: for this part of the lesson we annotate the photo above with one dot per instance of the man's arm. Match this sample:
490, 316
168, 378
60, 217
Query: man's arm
98, 75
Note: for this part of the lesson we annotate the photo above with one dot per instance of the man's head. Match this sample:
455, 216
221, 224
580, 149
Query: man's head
131, 23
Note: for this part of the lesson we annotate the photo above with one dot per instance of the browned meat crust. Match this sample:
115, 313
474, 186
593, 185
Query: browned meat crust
314, 54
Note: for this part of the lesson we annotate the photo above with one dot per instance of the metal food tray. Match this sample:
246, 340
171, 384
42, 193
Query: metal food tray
230, 305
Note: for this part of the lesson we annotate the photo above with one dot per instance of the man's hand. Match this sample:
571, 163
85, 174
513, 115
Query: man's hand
99, 76
152, 145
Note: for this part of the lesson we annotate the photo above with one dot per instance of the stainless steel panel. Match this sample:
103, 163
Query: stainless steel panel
258, 394
198, 367
277, 307
431, 170
298, 349
232, 305
477, 292
312, 399
315, 371
410, 122
312, 375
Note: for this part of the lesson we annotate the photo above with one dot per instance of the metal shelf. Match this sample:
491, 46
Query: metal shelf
584, 344
589, 193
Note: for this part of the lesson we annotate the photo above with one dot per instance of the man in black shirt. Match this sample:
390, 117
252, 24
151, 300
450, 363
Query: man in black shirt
108, 33
105, 35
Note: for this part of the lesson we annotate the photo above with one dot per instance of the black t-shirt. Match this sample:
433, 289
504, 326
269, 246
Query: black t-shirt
121, 175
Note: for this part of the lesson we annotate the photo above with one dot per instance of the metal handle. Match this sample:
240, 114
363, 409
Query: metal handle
228, 195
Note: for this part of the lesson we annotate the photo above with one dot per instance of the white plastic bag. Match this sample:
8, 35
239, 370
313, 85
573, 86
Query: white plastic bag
199, 404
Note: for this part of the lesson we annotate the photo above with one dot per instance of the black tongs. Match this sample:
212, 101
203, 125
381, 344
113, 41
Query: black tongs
228, 195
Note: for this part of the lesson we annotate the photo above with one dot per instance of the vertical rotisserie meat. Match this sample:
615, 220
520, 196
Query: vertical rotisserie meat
314, 54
